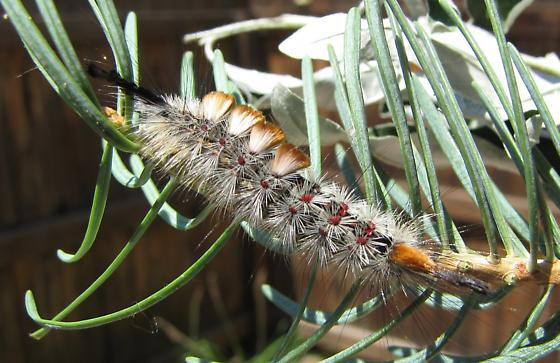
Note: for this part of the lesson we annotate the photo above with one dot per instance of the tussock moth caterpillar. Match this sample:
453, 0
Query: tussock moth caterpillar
239, 160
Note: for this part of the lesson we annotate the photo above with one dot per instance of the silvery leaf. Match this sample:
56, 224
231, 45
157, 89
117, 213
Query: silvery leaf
463, 68
288, 110
371, 86
312, 39
259, 82
386, 148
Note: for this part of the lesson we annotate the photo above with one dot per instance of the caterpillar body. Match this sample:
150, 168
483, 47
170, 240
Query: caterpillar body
240, 162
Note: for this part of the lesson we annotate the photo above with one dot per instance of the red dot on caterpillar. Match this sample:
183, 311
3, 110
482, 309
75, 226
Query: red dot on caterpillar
265, 184
370, 230
306, 198
342, 209
361, 240
335, 220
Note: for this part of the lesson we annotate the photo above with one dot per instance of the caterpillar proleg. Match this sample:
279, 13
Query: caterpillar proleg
240, 162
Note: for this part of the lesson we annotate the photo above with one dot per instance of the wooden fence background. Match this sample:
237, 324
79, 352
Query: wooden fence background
48, 166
